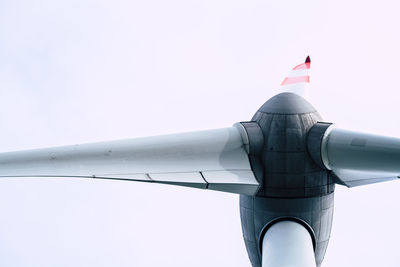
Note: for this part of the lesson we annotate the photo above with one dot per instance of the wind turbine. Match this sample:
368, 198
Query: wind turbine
284, 163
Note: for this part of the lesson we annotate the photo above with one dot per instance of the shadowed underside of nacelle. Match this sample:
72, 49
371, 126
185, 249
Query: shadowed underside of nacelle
292, 185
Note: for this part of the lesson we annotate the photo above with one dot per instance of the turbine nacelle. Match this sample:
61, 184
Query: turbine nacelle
292, 185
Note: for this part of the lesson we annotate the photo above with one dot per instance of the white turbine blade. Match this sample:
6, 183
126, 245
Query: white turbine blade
360, 158
213, 159
298, 79
352, 178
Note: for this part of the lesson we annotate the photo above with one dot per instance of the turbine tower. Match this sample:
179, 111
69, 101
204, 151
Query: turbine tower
284, 163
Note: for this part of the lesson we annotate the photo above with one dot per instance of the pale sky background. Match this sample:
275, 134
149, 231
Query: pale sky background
84, 71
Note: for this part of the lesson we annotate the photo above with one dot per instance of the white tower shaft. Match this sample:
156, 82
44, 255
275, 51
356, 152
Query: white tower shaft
287, 244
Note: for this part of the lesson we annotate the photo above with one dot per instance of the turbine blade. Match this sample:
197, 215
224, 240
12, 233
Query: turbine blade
298, 79
213, 159
360, 158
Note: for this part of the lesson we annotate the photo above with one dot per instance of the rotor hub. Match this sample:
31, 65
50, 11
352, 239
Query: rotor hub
287, 168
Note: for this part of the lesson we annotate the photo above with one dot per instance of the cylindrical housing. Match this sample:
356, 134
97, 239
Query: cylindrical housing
287, 244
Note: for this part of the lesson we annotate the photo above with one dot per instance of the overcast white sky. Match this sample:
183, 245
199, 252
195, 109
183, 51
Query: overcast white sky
83, 71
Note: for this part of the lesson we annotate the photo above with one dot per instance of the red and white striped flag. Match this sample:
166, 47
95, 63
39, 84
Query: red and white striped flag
298, 80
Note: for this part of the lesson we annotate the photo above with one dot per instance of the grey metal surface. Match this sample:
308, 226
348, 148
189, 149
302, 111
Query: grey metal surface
293, 104
213, 159
288, 169
355, 158
257, 212
287, 243
255, 137
256, 146
292, 184
315, 138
